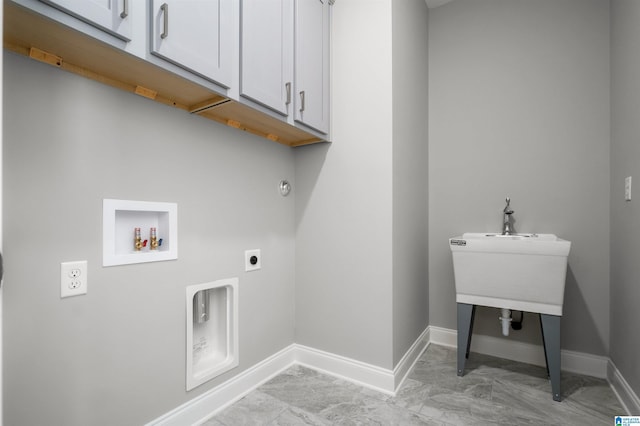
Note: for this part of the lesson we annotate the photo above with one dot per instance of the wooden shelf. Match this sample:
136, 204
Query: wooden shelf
42, 39
245, 118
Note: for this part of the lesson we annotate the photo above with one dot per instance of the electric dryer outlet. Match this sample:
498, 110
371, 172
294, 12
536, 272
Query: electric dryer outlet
252, 260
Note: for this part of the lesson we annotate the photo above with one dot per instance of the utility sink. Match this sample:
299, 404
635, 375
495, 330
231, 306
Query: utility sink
524, 272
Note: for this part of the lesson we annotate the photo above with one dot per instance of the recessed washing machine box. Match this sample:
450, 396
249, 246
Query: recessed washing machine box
138, 232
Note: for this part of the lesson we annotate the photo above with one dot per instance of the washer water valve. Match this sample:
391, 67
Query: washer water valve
138, 244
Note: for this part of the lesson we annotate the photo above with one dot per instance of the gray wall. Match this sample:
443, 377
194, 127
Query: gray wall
344, 197
410, 174
625, 161
361, 205
519, 106
117, 355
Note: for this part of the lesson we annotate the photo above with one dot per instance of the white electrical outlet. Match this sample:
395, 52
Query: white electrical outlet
252, 260
627, 188
73, 278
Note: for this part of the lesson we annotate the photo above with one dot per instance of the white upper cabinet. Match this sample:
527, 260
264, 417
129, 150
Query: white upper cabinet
112, 16
196, 35
312, 37
266, 59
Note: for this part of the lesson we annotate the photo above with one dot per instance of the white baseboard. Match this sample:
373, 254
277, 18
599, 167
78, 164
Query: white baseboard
574, 362
199, 409
361, 373
370, 376
628, 398
404, 367
587, 364
443, 336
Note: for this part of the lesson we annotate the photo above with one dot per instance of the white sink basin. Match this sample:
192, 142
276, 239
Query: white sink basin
524, 272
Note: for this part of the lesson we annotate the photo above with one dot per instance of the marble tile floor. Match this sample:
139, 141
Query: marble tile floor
493, 391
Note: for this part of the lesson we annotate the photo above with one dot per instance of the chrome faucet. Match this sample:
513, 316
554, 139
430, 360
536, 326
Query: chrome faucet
507, 228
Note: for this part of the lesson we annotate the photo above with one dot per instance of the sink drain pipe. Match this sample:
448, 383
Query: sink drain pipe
506, 321
516, 324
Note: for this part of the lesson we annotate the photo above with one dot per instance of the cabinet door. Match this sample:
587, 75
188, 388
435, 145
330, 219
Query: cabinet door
266, 45
196, 35
312, 63
109, 15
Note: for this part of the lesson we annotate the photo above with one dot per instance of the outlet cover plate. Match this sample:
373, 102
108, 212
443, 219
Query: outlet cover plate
73, 278
257, 262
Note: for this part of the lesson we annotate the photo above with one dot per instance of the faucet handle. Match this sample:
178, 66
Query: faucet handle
507, 210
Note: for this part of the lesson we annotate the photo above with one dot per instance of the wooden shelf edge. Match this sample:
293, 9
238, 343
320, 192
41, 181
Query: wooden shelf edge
43, 56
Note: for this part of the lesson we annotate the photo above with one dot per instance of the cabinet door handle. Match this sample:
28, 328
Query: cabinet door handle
302, 101
288, 87
165, 13
125, 9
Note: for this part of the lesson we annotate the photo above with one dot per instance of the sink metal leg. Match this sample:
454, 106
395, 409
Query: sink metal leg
466, 314
544, 346
551, 340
